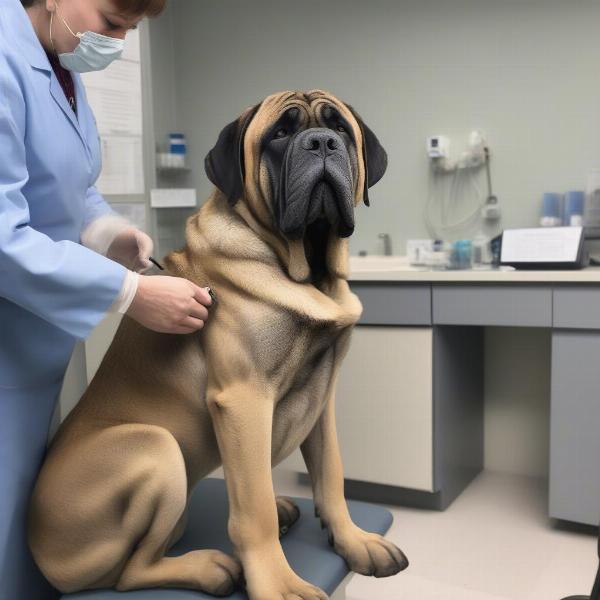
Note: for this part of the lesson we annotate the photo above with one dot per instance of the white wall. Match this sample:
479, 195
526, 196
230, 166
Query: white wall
525, 72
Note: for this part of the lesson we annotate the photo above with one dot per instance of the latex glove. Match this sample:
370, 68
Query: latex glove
132, 248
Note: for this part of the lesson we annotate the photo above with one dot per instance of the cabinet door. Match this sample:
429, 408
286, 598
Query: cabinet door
575, 426
384, 408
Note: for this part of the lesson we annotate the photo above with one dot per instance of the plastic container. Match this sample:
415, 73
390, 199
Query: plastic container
481, 253
551, 210
461, 255
177, 144
573, 208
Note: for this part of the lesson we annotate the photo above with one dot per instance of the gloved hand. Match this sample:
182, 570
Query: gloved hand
132, 248
170, 304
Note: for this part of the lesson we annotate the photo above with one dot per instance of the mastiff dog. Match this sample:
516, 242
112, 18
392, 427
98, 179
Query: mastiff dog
255, 383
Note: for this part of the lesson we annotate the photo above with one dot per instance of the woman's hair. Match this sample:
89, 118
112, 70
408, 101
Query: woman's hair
147, 8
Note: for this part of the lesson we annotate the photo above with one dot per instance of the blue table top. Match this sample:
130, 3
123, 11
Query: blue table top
305, 544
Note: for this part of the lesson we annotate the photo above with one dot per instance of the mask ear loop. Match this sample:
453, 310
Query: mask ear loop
51, 40
77, 35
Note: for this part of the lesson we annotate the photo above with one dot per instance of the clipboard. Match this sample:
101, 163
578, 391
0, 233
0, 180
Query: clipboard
539, 248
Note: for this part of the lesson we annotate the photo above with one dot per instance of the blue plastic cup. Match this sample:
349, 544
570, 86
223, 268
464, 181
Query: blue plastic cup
551, 209
573, 209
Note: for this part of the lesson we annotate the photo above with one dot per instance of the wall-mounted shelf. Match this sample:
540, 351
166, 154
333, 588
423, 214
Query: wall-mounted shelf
173, 169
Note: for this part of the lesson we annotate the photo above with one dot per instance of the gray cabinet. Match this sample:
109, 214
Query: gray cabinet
575, 426
449, 348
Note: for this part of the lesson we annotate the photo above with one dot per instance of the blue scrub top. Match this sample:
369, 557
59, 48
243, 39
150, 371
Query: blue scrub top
53, 290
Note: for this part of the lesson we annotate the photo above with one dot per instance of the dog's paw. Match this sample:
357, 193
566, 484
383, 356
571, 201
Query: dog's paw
269, 576
368, 553
286, 587
287, 512
220, 573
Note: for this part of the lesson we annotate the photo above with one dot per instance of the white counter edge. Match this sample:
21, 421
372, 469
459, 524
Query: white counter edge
589, 275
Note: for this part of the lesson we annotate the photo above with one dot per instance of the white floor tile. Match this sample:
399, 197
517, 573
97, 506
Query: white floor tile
495, 542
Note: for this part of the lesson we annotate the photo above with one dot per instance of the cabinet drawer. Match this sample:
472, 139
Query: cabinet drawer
507, 305
393, 304
577, 307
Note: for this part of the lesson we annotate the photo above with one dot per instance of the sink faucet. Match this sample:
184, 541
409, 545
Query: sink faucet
387, 243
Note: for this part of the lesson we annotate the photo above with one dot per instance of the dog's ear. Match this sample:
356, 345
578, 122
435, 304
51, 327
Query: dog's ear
374, 156
224, 164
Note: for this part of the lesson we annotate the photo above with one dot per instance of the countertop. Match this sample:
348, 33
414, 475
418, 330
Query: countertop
397, 268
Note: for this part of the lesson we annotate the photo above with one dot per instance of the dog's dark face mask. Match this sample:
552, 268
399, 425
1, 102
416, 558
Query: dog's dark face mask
306, 165
312, 173
311, 158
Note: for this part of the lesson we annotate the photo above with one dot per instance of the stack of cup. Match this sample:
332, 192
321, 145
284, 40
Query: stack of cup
551, 210
177, 148
567, 211
573, 208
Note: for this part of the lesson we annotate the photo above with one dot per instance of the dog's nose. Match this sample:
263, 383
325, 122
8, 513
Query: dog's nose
324, 141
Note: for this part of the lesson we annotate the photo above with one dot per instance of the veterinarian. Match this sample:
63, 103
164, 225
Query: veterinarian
66, 258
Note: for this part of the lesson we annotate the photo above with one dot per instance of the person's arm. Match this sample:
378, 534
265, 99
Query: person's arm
99, 233
96, 207
63, 282
123, 301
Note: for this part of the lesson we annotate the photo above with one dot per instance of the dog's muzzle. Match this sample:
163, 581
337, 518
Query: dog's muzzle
316, 184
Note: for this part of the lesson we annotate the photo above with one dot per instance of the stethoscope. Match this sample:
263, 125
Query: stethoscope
212, 295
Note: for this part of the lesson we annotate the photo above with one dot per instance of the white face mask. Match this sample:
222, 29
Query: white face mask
93, 53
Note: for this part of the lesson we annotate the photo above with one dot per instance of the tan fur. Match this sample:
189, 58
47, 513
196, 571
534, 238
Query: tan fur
163, 411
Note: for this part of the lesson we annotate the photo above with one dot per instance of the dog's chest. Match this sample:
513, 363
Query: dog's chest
299, 407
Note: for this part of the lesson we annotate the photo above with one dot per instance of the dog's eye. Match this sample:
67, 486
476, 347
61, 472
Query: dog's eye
281, 133
341, 128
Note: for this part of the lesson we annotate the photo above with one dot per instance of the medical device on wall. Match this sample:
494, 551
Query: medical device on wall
453, 188
438, 146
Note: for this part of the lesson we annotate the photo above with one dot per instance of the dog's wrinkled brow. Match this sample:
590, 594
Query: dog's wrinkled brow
288, 118
330, 115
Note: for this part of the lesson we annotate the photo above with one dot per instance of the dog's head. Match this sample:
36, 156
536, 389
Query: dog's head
301, 162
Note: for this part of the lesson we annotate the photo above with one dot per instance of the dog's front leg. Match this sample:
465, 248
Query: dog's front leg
366, 553
242, 416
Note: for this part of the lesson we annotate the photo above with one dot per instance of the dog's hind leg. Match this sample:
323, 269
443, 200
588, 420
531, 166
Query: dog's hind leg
287, 513
104, 513
210, 571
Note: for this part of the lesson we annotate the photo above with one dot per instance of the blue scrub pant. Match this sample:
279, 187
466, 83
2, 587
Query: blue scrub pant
25, 415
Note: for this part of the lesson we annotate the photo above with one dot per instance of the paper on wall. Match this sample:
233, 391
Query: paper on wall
122, 167
115, 95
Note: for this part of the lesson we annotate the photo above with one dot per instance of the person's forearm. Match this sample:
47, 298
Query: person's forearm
101, 232
124, 299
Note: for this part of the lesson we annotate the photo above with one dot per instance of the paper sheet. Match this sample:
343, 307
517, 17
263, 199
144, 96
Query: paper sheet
122, 165
541, 244
115, 95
